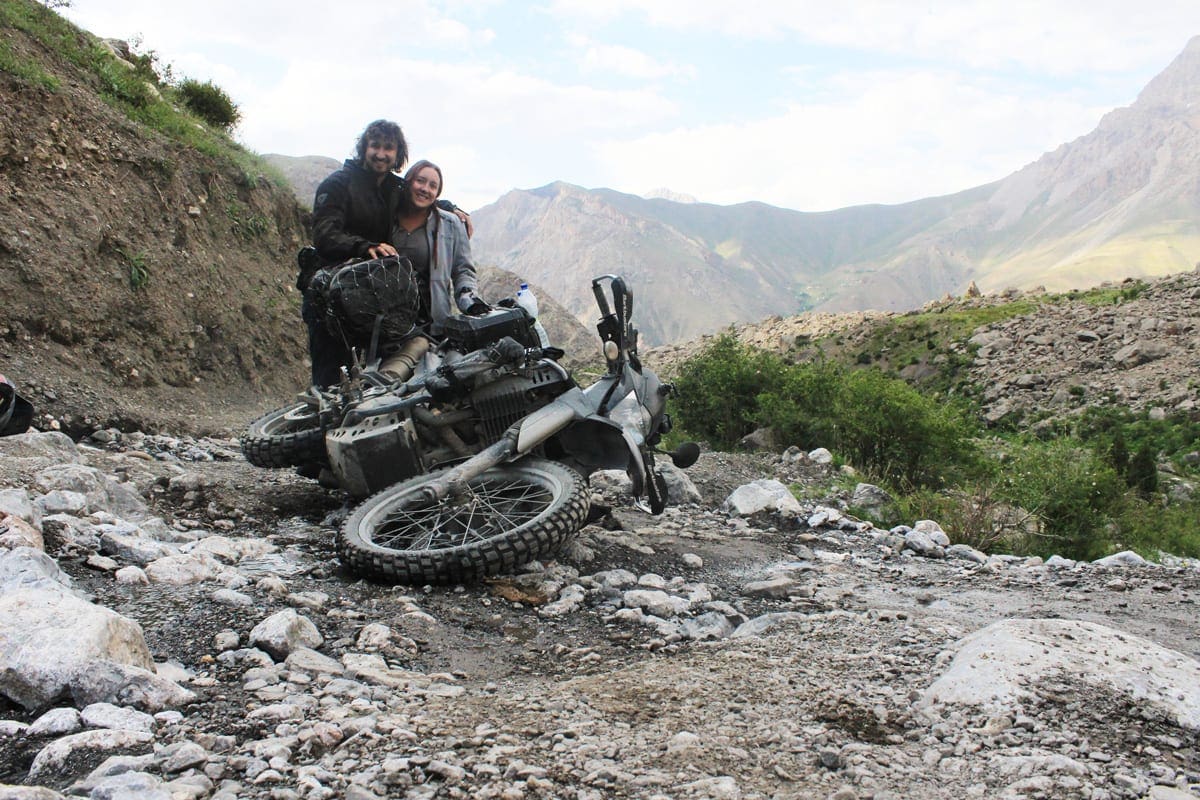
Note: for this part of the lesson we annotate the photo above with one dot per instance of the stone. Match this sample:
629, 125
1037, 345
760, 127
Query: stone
17, 503
709, 625
374, 636
128, 545
1126, 558
761, 624
56, 722
760, 439
1140, 352
182, 569
127, 685
997, 666
933, 530
48, 639
820, 456
766, 494
656, 602
107, 715
48, 446
30, 568
680, 489
306, 659
132, 576
870, 499
55, 754
16, 532
780, 586
283, 632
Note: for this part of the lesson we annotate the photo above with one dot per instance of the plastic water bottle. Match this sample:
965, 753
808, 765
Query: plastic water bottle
528, 301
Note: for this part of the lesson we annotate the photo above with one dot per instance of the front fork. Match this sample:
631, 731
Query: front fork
520, 438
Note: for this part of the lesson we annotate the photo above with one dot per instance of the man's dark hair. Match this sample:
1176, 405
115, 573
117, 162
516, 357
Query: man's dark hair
383, 130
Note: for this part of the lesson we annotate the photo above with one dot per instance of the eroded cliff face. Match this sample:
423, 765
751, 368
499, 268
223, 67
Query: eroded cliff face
136, 271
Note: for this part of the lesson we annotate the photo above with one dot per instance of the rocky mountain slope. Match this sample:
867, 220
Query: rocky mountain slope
1122, 201
1129, 345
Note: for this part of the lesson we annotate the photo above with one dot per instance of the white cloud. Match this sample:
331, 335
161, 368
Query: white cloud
891, 138
1060, 37
620, 60
358, 31
518, 130
495, 110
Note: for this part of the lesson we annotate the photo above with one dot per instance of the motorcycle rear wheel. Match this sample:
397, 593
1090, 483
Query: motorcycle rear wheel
291, 436
509, 515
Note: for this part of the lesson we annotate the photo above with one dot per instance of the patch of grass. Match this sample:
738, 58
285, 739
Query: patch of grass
936, 338
1113, 296
25, 69
1150, 529
246, 224
139, 272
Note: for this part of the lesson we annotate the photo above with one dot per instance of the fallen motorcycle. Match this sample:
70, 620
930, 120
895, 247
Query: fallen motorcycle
479, 462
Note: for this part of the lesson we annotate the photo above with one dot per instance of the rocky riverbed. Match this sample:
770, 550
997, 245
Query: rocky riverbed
174, 624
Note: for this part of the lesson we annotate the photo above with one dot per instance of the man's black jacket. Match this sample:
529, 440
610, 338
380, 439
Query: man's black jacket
352, 213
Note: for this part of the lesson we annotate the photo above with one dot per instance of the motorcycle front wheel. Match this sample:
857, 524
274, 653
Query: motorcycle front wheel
291, 436
509, 514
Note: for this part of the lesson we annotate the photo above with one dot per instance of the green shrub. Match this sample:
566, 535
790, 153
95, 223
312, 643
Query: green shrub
1150, 529
1074, 493
1143, 471
718, 390
210, 103
799, 405
886, 427
880, 424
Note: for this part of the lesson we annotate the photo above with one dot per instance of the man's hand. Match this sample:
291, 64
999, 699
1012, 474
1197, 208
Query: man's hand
478, 308
380, 250
466, 220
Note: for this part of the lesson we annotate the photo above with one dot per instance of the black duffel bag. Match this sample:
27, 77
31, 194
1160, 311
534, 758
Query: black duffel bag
353, 299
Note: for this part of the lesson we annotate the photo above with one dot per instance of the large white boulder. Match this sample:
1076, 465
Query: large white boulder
285, 631
766, 494
49, 639
997, 665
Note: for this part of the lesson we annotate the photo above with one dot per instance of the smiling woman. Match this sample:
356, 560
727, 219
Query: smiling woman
437, 245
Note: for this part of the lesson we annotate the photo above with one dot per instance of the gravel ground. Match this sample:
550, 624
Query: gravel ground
489, 695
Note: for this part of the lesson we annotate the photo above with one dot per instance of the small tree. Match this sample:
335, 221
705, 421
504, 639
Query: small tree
1143, 471
1118, 453
210, 102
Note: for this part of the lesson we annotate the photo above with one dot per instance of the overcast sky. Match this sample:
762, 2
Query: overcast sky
806, 105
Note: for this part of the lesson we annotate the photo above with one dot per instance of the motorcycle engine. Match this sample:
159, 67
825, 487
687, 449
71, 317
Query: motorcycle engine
502, 402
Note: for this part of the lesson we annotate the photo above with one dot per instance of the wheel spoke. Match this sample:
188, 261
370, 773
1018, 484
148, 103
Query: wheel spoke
490, 507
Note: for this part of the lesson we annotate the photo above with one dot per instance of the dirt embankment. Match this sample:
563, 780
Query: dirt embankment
138, 273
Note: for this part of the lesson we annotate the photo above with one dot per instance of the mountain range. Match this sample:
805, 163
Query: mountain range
1121, 201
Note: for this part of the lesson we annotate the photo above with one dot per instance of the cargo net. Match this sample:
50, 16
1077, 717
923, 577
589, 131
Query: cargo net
357, 295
